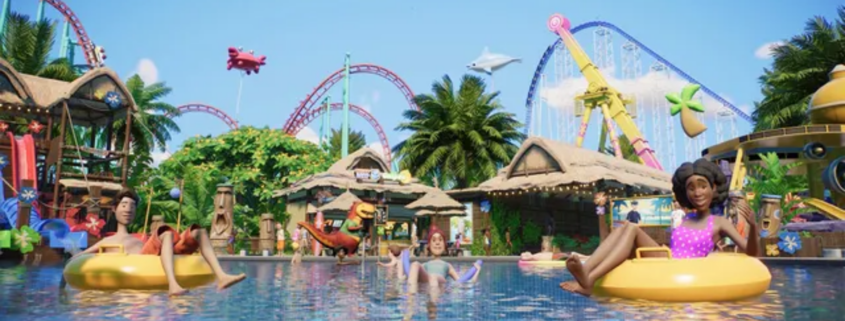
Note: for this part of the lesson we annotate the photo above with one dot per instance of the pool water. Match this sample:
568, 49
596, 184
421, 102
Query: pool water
323, 291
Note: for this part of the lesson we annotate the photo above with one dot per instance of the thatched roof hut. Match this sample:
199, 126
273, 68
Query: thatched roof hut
344, 175
541, 164
340, 204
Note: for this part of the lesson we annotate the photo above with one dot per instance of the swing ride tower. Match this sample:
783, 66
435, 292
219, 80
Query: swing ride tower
600, 95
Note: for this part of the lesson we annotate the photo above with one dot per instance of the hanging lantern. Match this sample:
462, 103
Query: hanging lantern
175, 193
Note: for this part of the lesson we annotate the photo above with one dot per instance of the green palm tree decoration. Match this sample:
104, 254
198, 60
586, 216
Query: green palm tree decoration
685, 105
27, 45
461, 136
800, 67
357, 140
150, 126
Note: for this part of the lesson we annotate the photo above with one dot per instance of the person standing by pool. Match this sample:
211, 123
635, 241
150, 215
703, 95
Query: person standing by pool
415, 241
634, 215
488, 244
435, 271
508, 240
696, 186
164, 242
280, 239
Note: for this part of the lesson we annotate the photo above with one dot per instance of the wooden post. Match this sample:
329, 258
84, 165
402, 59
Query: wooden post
109, 143
125, 166
24, 208
60, 160
94, 200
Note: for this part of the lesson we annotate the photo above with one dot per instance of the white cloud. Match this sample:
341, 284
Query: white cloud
159, 157
765, 51
308, 134
376, 97
147, 70
378, 147
649, 91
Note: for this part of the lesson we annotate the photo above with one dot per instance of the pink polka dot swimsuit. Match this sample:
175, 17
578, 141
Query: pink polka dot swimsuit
690, 243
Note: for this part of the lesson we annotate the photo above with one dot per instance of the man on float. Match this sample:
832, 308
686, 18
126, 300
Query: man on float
164, 242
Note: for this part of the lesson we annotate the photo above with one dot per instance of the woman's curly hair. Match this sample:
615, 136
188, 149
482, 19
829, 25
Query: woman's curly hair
705, 168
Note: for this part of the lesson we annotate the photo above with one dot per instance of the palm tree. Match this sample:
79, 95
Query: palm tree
357, 140
685, 105
26, 45
628, 152
460, 137
800, 67
150, 126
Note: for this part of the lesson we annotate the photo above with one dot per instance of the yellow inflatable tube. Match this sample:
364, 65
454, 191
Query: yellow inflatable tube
717, 277
121, 271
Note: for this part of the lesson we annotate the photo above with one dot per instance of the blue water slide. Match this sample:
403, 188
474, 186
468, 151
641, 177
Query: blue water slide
9, 219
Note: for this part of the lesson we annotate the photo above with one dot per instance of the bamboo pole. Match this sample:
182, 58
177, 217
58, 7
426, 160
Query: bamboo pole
147, 215
59, 161
125, 166
181, 195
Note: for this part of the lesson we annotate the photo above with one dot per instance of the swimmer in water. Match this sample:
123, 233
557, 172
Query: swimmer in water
696, 186
435, 271
394, 252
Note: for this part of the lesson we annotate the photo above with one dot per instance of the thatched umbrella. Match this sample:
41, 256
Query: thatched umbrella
436, 201
342, 203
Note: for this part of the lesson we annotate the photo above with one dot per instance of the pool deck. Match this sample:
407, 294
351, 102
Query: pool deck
768, 260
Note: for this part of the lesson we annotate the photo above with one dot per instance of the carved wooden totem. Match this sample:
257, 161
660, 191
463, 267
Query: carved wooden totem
223, 221
267, 233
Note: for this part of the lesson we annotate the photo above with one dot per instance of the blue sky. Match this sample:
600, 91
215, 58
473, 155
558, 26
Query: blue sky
305, 41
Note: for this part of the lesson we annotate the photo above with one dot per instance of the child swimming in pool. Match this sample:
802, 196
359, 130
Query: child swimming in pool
435, 271
165, 242
696, 186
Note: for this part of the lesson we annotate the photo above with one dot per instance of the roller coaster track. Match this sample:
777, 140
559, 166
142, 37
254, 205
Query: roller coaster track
535, 81
203, 108
315, 112
81, 36
298, 116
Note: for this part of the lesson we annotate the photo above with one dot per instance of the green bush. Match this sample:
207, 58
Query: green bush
532, 234
591, 244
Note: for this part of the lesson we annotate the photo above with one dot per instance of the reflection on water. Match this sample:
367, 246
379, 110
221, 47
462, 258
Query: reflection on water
324, 291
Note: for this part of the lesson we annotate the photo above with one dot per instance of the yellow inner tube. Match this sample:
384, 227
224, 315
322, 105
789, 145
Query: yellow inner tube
121, 271
717, 277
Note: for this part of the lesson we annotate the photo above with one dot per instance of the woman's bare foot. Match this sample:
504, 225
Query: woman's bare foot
574, 287
573, 264
229, 280
176, 291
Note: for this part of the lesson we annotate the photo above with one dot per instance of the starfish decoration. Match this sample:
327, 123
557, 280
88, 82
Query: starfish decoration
3, 127
686, 106
35, 126
3, 161
27, 194
112, 99
25, 238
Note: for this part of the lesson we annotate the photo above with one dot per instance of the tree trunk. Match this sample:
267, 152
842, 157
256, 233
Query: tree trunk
692, 127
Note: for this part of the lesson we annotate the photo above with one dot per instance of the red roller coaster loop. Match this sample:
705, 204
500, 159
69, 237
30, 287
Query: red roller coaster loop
81, 36
316, 112
297, 117
203, 108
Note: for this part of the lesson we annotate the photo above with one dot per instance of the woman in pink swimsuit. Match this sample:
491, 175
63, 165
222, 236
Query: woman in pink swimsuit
695, 185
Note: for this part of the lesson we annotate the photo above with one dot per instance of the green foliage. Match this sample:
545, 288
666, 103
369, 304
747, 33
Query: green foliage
800, 67
565, 243
772, 178
460, 137
532, 234
255, 161
591, 245
199, 190
27, 45
628, 152
357, 140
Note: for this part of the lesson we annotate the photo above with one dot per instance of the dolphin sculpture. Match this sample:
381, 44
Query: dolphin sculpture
489, 62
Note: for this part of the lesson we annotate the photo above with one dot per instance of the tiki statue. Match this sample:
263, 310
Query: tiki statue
224, 205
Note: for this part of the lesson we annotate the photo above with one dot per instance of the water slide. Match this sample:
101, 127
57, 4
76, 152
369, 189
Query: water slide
826, 208
23, 160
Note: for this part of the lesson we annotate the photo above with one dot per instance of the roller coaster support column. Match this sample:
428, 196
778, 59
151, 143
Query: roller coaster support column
344, 130
40, 14
324, 127
4, 16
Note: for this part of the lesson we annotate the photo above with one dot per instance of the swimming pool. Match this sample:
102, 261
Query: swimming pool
323, 291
